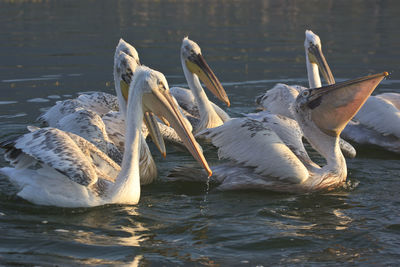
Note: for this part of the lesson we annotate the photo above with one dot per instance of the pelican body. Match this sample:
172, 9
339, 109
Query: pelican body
278, 99
269, 154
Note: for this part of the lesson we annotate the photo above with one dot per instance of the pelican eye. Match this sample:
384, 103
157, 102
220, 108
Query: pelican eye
305, 93
162, 86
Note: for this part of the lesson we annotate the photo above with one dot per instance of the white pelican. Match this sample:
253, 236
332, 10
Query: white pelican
74, 173
378, 121
105, 128
203, 113
278, 99
268, 155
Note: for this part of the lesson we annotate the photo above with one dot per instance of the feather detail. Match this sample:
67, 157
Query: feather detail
255, 144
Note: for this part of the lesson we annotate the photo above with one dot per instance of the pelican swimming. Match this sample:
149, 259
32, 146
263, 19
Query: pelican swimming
74, 173
376, 123
268, 155
281, 96
378, 120
106, 130
202, 112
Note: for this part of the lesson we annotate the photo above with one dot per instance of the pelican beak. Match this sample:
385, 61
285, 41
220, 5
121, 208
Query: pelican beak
333, 106
162, 104
154, 131
316, 56
196, 64
124, 89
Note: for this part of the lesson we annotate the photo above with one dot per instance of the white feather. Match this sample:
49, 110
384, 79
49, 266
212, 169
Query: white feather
254, 144
381, 115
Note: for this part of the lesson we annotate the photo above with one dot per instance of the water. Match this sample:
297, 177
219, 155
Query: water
53, 50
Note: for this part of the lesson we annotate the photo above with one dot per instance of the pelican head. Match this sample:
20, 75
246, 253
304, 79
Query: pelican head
158, 100
127, 49
279, 98
313, 47
196, 64
332, 107
124, 67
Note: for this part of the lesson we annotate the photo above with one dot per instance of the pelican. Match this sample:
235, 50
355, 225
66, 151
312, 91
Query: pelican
377, 122
269, 155
281, 96
107, 133
202, 112
74, 173
106, 129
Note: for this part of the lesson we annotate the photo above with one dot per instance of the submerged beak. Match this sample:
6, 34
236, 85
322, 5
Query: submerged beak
154, 131
197, 65
333, 106
316, 56
161, 103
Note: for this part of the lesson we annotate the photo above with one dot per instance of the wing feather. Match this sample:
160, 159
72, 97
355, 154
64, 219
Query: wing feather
186, 100
56, 149
393, 98
379, 114
255, 144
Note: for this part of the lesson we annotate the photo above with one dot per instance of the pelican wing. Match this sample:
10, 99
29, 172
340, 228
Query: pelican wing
361, 134
186, 100
255, 144
288, 131
380, 115
54, 148
115, 128
90, 126
67, 153
103, 165
58, 111
188, 103
98, 102
393, 98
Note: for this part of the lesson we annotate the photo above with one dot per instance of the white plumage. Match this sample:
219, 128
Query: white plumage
202, 113
53, 167
266, 151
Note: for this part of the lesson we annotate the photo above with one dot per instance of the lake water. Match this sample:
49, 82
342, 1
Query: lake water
53, 50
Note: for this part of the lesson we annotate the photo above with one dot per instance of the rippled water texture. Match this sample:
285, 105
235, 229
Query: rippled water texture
53, 50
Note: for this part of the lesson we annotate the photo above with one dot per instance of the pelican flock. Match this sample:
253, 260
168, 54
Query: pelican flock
92, 150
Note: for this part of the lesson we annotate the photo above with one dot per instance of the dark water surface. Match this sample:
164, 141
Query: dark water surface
53, 50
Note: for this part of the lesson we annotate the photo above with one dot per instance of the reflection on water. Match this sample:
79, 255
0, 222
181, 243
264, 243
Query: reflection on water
52, 50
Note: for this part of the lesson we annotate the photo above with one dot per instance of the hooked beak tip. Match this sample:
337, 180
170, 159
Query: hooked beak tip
164, 155
385, 73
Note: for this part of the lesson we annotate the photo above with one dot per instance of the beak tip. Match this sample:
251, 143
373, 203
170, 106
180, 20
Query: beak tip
164, 155
385, 73
228, 103
209, 173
